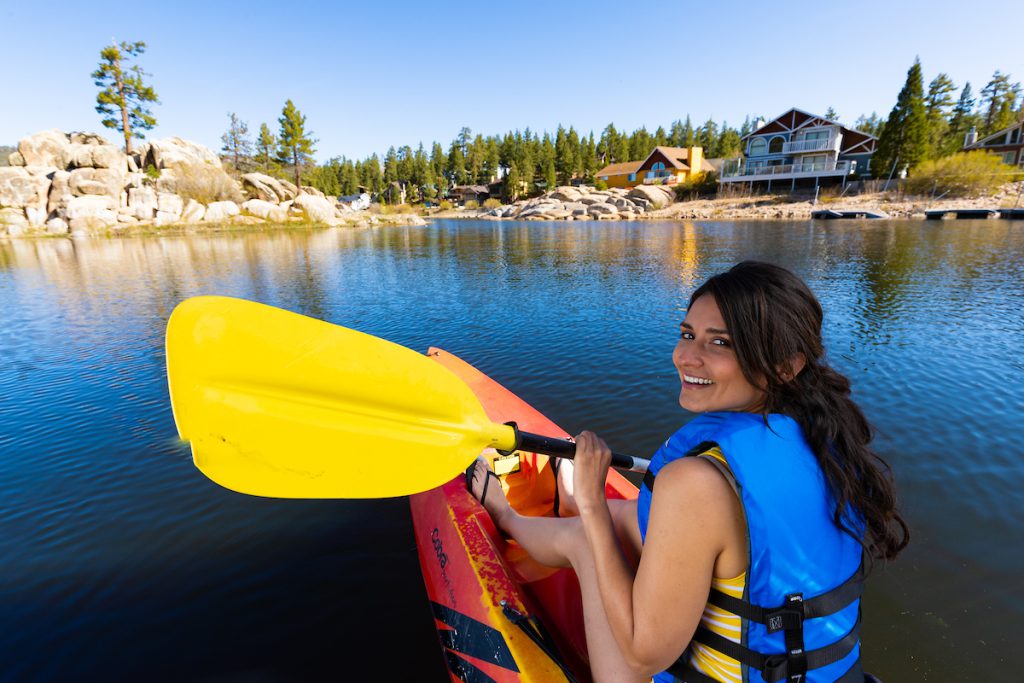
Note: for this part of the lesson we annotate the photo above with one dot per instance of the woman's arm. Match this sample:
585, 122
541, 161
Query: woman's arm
693, 519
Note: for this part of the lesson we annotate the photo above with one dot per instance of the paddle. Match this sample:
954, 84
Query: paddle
277, 404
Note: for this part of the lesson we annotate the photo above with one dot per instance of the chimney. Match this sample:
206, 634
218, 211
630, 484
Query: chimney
971, 137
758, 123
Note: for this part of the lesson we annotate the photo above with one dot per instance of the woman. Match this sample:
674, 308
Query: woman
744, 561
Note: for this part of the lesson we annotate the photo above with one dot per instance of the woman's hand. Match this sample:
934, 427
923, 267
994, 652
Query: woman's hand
590, 470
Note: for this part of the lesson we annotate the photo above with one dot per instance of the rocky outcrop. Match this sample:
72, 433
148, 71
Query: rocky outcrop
81, 183
586, 203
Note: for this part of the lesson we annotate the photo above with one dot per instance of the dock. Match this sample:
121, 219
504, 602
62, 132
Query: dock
832, 214
964, 214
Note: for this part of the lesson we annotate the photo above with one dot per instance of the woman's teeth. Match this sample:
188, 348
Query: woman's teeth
696, 380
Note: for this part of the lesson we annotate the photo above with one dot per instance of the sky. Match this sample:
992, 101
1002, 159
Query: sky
371, 75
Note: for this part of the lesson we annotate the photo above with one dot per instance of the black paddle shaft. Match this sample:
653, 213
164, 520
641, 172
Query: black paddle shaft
563, 448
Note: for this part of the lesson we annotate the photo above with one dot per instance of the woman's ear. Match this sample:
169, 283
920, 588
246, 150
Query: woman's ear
793, 368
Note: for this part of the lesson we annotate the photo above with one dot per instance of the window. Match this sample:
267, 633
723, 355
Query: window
815, 135
604, 177
995, 142
775, 146
632, 177
758, 146
1010, 158
658, 170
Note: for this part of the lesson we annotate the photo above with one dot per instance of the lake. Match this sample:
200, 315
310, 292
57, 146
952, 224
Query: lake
121, 561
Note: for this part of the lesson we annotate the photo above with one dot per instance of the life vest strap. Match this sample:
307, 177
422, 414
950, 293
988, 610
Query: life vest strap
773, 667
789, 615
687, 674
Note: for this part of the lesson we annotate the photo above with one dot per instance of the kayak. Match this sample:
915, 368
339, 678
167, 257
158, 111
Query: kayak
500, 615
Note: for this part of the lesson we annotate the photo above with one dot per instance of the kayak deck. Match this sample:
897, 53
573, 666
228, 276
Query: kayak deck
478, 582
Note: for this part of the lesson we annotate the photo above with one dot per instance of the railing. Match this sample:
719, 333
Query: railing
811, 168
820, 145
660, 180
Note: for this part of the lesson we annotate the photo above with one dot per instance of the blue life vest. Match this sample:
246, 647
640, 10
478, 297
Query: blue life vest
801, 603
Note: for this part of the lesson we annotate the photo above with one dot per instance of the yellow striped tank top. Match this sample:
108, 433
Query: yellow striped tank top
718, 620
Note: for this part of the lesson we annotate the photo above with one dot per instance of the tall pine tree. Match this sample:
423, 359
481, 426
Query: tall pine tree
294, 143
903, 143
936, 106
961, 120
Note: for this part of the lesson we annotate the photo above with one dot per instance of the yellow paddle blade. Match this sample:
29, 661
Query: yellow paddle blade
277, 404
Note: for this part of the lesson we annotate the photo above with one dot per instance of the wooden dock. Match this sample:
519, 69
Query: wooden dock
966, 214
832, 214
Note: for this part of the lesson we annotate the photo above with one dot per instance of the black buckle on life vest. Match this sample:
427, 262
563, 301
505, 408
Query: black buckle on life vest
789, 617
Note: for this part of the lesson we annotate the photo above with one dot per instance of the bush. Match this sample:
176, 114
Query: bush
205, 184
152, 172
961, 175
472, 204
492, 203
445, 205
698, 185
600, 184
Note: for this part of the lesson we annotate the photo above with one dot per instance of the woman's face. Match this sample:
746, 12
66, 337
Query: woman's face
708, 369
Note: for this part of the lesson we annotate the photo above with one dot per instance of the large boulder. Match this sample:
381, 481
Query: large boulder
220, 212
12, 222
566, 194
601, 209
91, 212
102, 155
142, 201
658, 196
316, 209
193, 212
268, 211
20, 189
60, 193
261, 186
45, 148
98, 181
176, 152
169, 203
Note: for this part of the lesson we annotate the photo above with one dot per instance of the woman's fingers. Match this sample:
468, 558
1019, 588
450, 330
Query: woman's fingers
593, 457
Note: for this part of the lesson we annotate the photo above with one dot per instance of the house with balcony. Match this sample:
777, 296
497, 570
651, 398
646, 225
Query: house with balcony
1007, 144
799, 149
663, 166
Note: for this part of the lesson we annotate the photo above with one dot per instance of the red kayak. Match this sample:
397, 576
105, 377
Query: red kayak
500, 615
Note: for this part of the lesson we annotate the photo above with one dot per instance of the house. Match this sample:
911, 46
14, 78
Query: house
798, 148
1007, 144
466, 193
663, 166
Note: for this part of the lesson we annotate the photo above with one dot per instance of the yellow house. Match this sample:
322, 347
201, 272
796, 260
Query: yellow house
663, 166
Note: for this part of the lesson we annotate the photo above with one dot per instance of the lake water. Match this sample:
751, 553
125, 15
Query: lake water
120, 561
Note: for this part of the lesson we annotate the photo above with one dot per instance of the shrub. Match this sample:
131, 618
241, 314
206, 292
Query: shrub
698, 185
205, 184
445, 205
492, 203
961, 175
600, 184
472, 204
152, 172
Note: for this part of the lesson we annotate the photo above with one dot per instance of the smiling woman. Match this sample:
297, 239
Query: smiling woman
768, 501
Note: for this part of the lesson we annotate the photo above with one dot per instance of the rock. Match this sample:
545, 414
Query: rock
169, 203
126, 218
168, 181
601, 209
166, 218
135, 180
580, 212
80, 138
657, 196
266, 210
268, 189
96, 223
306, 189
94, 156
57, 226
45, 148
176, 152
193, 212
96, 181
245, 220
13, 221
566, 194
19, 189
316, 209
142, 201
60, 193
220, 211
15, 159
591, 200
89, 206
36, 215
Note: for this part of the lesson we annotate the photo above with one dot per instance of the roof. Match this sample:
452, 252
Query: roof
620, 169
794, 125
978, 144
677, 156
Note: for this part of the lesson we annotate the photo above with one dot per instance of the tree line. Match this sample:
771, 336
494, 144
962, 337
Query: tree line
924, 125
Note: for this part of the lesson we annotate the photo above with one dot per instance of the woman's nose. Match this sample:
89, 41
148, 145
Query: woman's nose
686, 355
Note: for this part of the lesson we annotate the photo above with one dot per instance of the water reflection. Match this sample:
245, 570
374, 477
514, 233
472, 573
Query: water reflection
579, 319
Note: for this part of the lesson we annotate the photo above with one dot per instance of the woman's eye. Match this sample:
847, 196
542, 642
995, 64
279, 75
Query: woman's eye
720, 342
686, 334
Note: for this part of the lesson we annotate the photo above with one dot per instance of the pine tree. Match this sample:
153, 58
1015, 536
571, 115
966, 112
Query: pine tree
961, 120
512, 183
237, 145
456, 166
998, 101
707, 138
640, 144
728, 145
936, 106
266, 145
904, 139
831, 114
123, 98
589, 159
294, 144
872, 125
689, 135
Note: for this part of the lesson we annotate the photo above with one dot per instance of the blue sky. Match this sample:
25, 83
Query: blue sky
371, 75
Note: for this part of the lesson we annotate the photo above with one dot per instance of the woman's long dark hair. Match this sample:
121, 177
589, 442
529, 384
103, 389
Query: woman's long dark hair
773, 318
